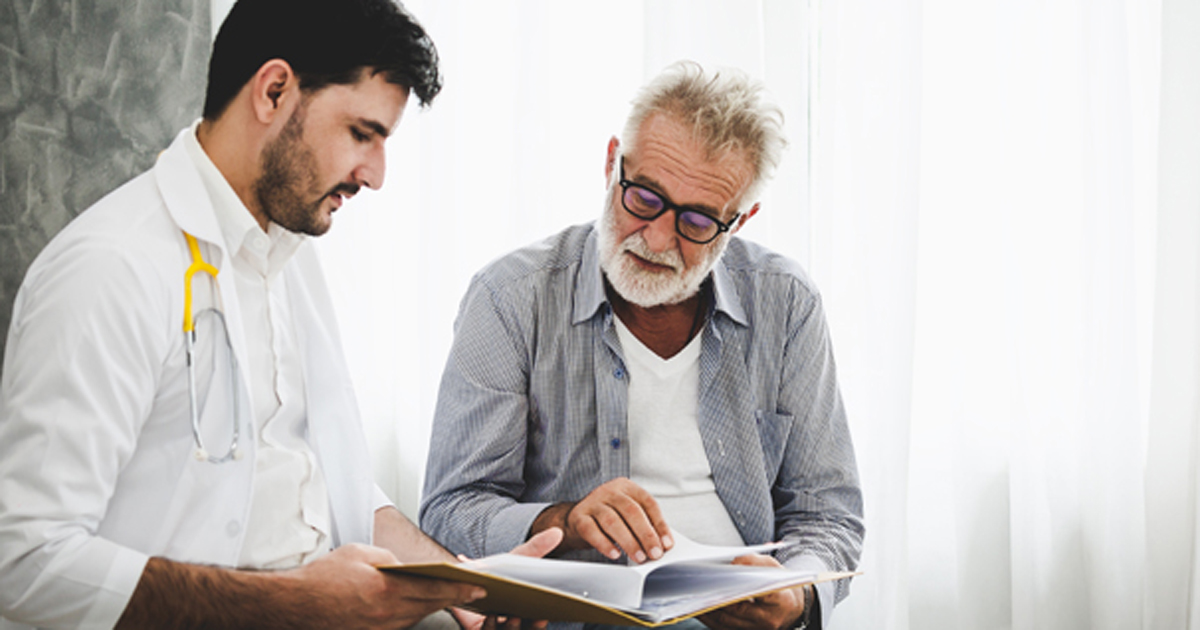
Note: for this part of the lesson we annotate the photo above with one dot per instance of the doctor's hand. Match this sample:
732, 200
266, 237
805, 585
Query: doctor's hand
536, 547
342, 589
617, 516
781, 609
352, 593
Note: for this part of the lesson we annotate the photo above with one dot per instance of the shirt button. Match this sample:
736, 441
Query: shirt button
616, 442
619, 373
233, 528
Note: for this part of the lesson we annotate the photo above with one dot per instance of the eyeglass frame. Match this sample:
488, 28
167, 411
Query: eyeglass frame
670, 205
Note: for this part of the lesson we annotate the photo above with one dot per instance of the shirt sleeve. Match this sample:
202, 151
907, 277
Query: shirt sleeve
817, 495
475, 472
80, 372
379, 499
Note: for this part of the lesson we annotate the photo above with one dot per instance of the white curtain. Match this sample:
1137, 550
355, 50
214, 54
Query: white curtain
1009, 241
1173, 472
1000, 200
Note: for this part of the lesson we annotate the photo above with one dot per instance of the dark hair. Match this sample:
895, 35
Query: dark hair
326, 42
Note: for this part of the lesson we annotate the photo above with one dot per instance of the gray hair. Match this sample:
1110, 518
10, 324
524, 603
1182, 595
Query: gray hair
728, 112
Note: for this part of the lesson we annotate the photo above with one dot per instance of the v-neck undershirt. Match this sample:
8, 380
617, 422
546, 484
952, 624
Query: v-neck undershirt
667, 455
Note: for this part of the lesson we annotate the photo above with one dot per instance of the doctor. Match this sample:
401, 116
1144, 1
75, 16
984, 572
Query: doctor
136, 492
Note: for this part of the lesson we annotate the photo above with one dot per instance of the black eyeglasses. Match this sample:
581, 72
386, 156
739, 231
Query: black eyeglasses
695, 225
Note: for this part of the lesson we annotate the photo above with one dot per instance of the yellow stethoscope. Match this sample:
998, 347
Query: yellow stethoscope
189, 334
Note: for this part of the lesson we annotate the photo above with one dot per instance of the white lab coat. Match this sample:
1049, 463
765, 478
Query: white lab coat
96, 465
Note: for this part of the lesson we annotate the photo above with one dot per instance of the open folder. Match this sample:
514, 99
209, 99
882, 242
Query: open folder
690, 579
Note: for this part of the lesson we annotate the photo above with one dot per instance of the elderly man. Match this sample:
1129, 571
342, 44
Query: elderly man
183, 452
651, 373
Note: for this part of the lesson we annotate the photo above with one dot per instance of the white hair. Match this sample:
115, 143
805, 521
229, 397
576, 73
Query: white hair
727, 110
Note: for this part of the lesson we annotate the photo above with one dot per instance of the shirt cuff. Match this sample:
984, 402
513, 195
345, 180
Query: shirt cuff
122, 579
510, 526
379, 499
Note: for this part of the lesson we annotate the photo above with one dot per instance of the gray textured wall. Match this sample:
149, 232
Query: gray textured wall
90, 92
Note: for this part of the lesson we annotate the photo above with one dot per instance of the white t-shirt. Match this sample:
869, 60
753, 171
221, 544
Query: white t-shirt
667, 455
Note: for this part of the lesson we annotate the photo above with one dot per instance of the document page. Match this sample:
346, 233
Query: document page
622, 586
681, 589
690, 579
610, 584
688, 550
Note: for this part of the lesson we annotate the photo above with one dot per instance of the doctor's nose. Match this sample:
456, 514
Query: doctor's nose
371, 170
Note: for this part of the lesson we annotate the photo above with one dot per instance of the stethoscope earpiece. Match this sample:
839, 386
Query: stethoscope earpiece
200, 454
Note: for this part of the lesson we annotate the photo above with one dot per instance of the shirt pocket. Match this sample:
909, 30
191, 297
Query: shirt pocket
773, 431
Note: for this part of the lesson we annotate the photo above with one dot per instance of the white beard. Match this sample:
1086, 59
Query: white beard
645, 288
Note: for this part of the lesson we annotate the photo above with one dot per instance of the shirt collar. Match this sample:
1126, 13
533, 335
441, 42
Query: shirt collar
590, 295
238, 227
725, 294
589, 291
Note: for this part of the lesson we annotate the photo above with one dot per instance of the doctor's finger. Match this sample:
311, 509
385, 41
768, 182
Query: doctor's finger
434, 592
512, 623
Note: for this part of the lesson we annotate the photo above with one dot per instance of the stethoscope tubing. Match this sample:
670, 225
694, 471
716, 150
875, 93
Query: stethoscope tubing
189, 335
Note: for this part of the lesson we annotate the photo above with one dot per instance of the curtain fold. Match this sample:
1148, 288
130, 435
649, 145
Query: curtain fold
1172, 588
1016, 481
866, 130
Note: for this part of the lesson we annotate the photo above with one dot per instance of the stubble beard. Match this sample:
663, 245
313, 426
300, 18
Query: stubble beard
288, 184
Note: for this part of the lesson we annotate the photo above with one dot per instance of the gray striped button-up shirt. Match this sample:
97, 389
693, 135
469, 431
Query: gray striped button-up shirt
532, 406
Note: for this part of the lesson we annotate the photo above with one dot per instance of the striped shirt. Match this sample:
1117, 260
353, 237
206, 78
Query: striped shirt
532, 405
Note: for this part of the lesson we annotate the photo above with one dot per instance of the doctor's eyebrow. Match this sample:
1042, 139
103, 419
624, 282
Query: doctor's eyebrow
375, 126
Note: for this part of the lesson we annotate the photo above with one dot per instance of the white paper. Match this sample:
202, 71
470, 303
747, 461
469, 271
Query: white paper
682, 568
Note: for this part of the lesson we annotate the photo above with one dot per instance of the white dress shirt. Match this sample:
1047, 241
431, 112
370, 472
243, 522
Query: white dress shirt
97, 465
289, 522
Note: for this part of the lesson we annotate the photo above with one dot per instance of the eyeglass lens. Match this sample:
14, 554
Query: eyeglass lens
646, 204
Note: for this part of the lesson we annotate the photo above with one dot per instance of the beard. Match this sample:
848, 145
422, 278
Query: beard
641, 286
287, 190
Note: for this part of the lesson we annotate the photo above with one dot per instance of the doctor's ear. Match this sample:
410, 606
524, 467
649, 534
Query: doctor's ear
271, 89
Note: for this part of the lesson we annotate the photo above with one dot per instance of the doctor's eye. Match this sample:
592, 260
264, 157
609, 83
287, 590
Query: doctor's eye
359, 136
